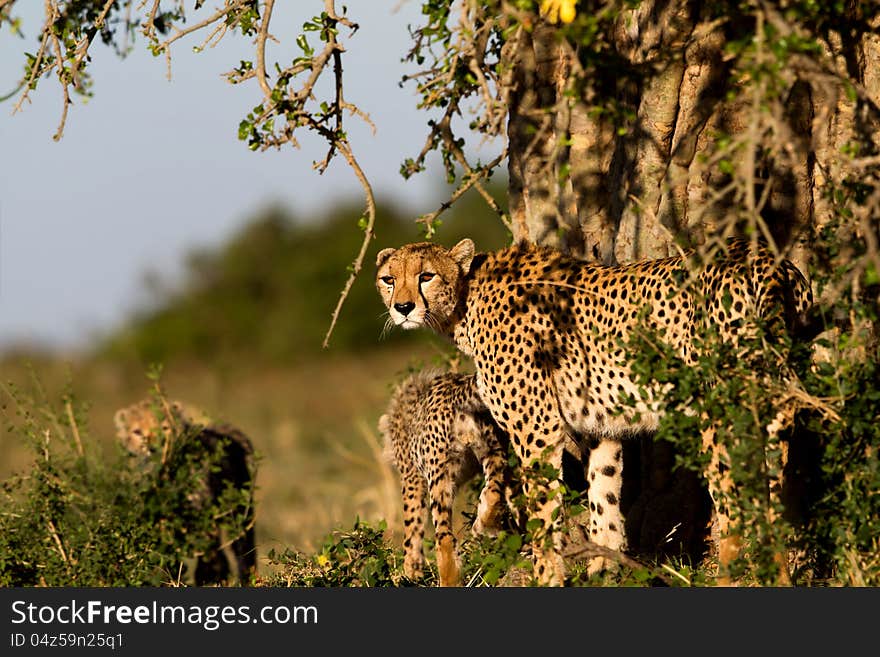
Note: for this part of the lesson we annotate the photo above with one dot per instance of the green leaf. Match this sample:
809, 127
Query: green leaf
304, 45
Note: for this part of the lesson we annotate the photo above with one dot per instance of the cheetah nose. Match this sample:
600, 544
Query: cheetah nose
404, 308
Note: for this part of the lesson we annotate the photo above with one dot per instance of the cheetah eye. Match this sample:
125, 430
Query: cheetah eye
425, 277
388, 280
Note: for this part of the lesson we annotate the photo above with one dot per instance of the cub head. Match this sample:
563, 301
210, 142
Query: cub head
420, 283
142, 427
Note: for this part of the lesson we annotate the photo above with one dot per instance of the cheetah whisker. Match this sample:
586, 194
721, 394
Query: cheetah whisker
432, 321
389, 326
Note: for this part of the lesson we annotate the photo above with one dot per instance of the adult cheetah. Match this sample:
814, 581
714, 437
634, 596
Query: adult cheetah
434, 428
220, 456
544, 332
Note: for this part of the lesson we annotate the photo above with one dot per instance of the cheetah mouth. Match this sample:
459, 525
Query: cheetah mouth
407, 322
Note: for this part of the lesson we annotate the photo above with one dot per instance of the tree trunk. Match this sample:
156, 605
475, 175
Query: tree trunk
617, 192
613, 190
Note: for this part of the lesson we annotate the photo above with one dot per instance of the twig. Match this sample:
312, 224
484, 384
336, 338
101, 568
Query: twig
473, 580
74, 428
82, 48
588, 549
220, 13
34, 72
261, 47
358, 263
165, 46
65, 84
470, 179
811, 66
150, 25
179, 575
675, 573
339, 143
337, 106
54, 532
35, 68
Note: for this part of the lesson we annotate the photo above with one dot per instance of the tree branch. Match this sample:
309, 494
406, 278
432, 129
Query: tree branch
358, 263
261, 47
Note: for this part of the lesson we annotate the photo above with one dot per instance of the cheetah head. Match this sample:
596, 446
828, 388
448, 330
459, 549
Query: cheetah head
141, 427
420, 283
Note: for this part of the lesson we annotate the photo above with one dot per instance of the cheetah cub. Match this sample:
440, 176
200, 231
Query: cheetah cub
168, 435
435, 428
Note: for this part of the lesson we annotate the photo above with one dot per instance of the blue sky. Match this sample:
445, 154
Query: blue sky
148, 168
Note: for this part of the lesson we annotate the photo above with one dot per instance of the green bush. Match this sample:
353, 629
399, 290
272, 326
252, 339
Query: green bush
83, 518
827, 518
360, 556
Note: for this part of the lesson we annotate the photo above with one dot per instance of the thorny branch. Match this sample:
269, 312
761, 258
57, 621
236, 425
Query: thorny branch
290, 100
261, 48
439, 85
341, 144
585, 548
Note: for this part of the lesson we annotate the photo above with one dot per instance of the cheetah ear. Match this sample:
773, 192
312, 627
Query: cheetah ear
463, 254
119, 419
383, 255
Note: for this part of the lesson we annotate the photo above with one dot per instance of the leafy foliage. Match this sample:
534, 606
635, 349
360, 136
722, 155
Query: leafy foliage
81, 518
356, 557
824, 521
844, 521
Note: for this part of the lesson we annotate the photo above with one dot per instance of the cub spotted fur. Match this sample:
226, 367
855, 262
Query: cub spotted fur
434, 426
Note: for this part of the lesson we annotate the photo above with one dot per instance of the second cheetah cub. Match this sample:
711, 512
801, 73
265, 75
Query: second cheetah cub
434, 426
215, 457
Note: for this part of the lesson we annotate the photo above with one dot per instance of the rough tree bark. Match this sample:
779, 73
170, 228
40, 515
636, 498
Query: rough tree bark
578, 183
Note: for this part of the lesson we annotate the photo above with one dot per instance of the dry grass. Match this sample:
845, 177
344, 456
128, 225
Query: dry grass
313, 424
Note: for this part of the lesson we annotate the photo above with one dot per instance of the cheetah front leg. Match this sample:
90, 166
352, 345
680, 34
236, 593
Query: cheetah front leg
605, 477
413, 493
544, 512
720, 484
441, 486
776, 459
